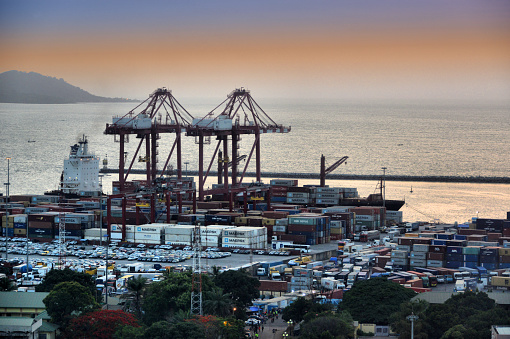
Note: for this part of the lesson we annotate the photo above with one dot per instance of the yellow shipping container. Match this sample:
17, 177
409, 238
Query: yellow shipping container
411, 235
20, 231
336, 231
504, 251
241, 221
268, 222
500, 281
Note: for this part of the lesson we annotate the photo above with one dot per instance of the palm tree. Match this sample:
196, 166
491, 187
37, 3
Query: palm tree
7, 284
218, 303
136, 287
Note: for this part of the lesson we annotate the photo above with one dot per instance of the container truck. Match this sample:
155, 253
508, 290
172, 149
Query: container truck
351, 278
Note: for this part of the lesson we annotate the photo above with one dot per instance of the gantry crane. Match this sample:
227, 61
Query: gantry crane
240, 115
325, 171
160, 113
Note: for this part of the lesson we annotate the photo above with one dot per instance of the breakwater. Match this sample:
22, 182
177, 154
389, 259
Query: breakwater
478, 180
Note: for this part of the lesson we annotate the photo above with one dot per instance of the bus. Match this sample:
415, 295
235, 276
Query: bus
299, 247
341, 245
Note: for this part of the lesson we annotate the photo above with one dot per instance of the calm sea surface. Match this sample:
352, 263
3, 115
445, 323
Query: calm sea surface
418, 139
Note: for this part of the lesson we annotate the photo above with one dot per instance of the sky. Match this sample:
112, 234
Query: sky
372, 49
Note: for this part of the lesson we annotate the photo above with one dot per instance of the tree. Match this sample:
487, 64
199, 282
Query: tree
374, 300
297, 310
68, 300
337, 327
469, 314
217, 303
54, 277
7, 284
242, 287
136, 287
99, 324
163, 298
402, 326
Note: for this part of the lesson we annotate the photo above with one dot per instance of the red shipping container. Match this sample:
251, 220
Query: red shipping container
302, 228
437, 248
435, 256
464, 231
494, 236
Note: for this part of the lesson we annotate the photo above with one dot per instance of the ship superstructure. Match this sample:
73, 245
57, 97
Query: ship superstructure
81, 172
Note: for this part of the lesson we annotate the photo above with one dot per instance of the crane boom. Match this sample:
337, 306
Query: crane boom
330, 169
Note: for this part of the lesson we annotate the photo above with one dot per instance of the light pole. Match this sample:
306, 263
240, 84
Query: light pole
412, 318
186, 163
384, 187
7, 184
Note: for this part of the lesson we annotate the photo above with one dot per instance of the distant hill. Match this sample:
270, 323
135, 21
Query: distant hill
34, 88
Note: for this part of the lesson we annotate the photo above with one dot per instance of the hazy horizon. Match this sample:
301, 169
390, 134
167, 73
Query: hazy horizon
457, 50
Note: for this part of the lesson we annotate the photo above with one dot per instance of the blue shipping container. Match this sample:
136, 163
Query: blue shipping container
471, 257
454, 264
454, 257
471, 264
438, 242
490, 266
459, 237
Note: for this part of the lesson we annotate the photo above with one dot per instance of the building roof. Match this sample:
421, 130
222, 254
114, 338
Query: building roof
22, 299
502, 329
441, 297
48, 327
16, 321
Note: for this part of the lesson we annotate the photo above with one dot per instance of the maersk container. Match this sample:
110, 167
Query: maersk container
420, 248
399, 254
327, 201
400, 261
435, 263
418, 263
419, 255
406, 248
298, 200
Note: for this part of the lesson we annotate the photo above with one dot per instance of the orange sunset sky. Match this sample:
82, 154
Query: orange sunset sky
291, 49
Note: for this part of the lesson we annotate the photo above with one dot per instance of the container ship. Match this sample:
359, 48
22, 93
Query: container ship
80, 177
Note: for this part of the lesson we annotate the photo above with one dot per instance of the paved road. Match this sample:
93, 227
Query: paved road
279, 325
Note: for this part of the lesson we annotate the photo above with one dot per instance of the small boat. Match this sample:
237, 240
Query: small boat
31, 140
411, 189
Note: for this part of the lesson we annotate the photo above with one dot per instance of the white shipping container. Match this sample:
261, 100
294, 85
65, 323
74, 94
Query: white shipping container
280, 229
298, 195
147, 236
176, 237
298, 200
328, 190
177, 243
117, 236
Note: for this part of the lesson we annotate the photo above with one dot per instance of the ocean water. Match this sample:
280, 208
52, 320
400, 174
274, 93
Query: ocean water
408, 138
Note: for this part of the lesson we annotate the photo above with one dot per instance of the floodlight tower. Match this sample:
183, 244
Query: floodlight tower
196, 279
61, 240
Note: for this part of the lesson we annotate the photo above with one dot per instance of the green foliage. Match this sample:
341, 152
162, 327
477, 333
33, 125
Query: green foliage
336, 325
466, 315
7, 284
242, 287
297, 309
68, 300
136, 287
402, 326
54, 277
217, 303
455, 332
374, 300
163, 298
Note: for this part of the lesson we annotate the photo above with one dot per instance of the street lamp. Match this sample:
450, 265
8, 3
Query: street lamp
7, 184
412, 318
